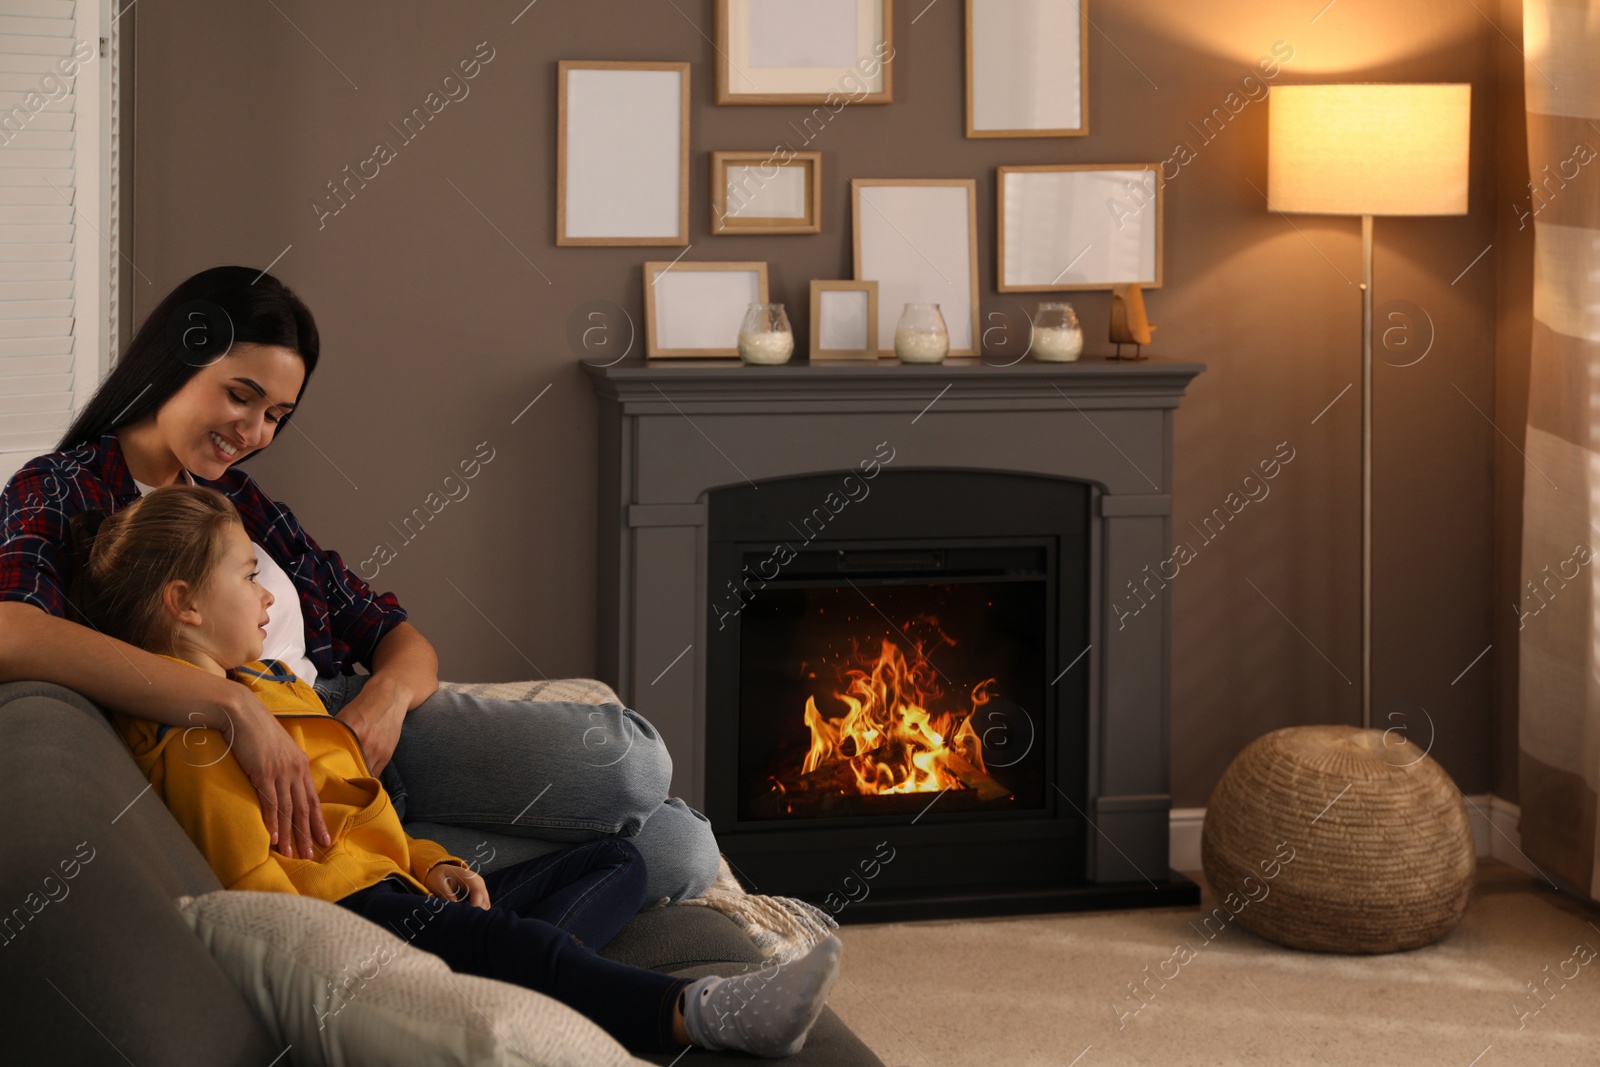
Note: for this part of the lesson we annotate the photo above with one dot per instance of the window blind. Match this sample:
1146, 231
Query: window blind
57, 216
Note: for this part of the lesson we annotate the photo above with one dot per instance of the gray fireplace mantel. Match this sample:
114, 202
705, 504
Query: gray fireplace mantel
673, 431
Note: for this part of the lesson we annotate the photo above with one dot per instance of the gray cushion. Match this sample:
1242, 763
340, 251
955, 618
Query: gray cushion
670, 939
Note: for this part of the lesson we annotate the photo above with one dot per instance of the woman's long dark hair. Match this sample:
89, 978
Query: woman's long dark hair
184, 333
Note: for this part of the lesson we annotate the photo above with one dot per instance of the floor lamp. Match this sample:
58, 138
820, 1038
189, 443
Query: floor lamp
1368, 150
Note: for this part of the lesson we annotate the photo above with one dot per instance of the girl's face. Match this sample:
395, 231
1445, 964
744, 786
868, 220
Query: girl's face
231, 608
231, 407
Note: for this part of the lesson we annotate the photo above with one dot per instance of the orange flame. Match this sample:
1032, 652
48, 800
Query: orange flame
889, 739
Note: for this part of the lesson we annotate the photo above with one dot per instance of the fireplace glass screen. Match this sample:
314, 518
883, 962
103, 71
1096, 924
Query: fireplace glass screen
860, 697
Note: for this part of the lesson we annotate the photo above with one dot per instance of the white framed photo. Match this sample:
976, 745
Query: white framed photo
1070, 227
788, 52
918, 239
1027, 68
696, 309
766, 192
844, 320
622, 153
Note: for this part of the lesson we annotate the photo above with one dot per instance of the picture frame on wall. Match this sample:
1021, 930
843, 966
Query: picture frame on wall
696, 309
766, 192
1027, 68
918, 239
790, 52
622, 153
1078, 226
844, 320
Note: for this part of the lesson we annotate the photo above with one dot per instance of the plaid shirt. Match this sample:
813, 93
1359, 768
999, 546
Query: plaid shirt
344, 618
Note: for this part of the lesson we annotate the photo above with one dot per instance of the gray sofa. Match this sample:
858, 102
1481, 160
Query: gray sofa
106, 971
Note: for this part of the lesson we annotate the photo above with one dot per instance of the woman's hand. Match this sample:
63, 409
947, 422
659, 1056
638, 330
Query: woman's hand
405, 672
452, 882
281, 773
376, 714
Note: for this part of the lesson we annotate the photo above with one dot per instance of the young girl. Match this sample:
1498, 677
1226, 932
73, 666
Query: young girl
175, 573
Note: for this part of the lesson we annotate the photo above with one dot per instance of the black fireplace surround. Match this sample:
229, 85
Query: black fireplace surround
994, 564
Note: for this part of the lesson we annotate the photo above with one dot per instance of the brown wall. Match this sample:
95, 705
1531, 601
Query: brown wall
438, 329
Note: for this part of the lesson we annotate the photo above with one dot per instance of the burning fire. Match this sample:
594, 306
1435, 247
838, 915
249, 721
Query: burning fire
889, 741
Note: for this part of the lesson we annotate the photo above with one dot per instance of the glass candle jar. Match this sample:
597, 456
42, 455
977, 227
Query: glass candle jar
765, 338
921, 336
1057, 337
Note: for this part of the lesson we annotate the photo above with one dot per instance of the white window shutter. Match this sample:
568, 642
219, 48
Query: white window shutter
58, 217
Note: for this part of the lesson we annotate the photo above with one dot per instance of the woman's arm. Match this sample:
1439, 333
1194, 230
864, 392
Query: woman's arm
405, 672
37, 645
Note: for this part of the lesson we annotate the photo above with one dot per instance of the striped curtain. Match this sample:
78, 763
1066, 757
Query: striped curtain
1559, 612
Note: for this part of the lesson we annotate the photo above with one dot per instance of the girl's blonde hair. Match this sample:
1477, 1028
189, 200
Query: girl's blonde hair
172, 534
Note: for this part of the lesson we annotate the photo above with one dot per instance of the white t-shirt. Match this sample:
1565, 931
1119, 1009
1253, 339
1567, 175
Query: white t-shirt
286, 624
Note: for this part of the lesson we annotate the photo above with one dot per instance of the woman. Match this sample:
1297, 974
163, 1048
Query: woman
211, 377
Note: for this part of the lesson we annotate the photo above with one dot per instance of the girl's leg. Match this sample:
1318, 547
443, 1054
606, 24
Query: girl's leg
589, 890
633, 1005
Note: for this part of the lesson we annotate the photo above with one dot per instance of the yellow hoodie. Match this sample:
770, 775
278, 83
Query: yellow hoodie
214, 801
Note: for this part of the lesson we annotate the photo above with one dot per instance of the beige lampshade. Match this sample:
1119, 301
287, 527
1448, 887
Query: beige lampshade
1368, 149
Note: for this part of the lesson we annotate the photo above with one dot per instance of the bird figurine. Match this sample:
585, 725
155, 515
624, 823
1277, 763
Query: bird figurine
1129, 324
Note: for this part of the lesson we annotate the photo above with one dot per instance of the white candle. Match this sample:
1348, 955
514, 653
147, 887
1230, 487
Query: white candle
766, 346
921, 346
1057, 344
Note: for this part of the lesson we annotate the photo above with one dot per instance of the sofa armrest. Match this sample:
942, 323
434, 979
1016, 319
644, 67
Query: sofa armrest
90, 862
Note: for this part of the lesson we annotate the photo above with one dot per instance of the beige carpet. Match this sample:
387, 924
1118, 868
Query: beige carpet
1047, 990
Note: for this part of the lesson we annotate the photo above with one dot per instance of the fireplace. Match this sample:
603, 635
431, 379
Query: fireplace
870, 609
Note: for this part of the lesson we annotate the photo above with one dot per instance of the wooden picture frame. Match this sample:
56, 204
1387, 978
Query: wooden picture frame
862, 345
791, 52
690, 307
1020, 81
766, 192
622, 153
918, 239
1064, 228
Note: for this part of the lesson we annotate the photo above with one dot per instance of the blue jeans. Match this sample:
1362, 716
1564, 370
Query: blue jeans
503, 781
539, 912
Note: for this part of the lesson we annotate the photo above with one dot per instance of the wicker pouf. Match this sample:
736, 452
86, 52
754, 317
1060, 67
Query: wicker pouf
1330, 839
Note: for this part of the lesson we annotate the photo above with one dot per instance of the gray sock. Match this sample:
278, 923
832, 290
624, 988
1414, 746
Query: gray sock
767, 1012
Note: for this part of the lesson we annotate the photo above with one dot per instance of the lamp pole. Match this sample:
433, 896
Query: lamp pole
1369, 149
1366, 471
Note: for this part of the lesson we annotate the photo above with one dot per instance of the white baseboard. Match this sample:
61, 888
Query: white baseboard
1183, 838
1494, 830
1505, 840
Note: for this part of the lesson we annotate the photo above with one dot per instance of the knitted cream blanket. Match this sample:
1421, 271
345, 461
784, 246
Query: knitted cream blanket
781, 927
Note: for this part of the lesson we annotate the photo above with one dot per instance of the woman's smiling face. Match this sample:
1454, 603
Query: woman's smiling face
231, 407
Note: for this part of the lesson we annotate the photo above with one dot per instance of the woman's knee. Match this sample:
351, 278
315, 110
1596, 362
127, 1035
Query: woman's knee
702, 858
632, 769
681, 852
616, 734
